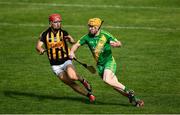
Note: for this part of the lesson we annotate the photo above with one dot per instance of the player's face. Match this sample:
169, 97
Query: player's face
56, 24
93, 29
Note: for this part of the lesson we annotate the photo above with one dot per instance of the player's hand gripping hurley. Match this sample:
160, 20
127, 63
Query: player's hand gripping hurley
90, 68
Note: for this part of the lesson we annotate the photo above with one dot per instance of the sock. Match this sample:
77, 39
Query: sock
82, 81
89, 94
126, 90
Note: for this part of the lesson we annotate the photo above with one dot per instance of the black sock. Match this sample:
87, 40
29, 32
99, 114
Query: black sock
89, 94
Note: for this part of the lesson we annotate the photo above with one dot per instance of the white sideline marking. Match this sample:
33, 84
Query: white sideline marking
88, 6
81, 26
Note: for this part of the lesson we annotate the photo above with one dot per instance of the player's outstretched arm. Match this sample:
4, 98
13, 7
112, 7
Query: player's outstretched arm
70, 39
115, 43
73, 49
39, 47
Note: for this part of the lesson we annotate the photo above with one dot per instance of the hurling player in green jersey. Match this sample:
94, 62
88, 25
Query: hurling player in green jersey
100, 43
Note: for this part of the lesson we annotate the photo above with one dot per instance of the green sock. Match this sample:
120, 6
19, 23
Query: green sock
126, 89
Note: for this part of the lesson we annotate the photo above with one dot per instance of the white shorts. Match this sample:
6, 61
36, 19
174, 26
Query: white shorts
57, 69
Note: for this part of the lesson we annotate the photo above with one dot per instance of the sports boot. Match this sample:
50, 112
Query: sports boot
135, 101
139, 103
92, 98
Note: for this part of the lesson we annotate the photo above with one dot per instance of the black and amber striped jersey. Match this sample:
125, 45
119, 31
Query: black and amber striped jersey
56, 45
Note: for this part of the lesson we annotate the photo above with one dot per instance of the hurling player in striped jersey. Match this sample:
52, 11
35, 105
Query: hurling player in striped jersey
54, 39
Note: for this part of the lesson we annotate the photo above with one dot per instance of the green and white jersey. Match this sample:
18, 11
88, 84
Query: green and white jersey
99, 46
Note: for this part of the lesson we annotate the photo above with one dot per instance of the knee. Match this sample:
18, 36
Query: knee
110, 80
72, 74
106, 80
74, 78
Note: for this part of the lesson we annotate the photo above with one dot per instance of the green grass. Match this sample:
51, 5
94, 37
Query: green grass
148, 62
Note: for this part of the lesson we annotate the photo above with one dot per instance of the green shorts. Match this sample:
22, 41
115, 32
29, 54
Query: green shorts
110, 64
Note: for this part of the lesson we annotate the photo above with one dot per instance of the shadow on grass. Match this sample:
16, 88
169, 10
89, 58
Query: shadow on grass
16, 94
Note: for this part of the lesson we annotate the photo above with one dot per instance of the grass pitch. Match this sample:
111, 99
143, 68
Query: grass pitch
148, 62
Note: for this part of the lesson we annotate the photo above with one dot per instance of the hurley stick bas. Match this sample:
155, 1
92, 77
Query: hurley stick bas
90, 68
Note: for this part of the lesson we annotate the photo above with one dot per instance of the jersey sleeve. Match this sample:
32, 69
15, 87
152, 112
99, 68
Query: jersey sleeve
82, 40
42, 37
113, 39
65, 33
110, 36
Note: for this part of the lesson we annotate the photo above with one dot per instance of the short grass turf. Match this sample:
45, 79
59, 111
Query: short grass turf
148, 62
